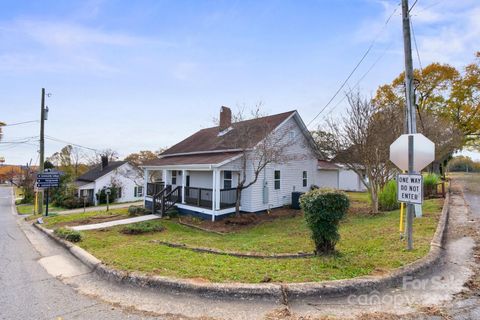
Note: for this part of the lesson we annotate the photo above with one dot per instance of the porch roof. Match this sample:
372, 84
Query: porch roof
193, 159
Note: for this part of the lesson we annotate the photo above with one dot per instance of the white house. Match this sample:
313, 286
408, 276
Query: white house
199, 174
119, 173
334, 175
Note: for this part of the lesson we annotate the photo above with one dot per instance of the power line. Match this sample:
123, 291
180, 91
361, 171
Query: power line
357, 65
413, 5
361, 78
71, 143
19, 123
19, 140
416, 47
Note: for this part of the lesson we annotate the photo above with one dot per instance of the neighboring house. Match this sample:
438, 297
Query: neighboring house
328, 175
119, 173
334, 175
199, 175
349, 180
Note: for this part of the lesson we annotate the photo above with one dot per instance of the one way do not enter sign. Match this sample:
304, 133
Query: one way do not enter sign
410, 188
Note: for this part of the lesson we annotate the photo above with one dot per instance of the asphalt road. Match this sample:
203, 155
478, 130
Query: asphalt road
27, 291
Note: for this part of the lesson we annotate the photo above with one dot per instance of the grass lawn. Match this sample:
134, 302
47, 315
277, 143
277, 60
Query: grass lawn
28, 209
368, 245
83, 218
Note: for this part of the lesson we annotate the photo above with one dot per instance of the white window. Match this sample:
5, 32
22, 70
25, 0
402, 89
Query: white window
277, 179
138, 191
291, 134
227, 179
174, 177
305, 180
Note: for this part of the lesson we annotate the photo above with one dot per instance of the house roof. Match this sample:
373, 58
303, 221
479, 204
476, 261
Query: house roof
202, 158
97, 172
327, 165
209, 139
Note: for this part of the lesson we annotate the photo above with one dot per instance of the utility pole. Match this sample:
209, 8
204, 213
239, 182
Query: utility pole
42, 150
411, 123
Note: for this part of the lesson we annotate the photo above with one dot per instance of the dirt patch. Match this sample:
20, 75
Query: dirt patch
91, 220
246, 220
286, 314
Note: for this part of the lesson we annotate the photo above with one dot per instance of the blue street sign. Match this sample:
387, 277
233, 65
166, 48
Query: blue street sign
48, 180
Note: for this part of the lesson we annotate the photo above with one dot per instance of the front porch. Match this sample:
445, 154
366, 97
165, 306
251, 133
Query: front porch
204, 193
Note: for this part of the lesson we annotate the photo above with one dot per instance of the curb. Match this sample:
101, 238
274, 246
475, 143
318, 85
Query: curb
269, 291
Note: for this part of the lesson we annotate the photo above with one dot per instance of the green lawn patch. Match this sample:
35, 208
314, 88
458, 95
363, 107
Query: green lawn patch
368, 245
28, 209
74, 219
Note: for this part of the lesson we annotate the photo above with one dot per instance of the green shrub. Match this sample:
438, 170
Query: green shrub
387, 199
142, 227
430, 180
68, 234
324, 209
73, 202
136, 211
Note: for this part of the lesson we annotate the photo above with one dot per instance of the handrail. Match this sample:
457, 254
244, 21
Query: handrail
167, 203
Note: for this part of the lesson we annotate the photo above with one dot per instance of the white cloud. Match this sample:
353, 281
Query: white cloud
446, 31
38, 45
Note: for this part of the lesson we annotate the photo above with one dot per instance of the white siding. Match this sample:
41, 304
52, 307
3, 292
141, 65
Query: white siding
200, 179
327, 178
125, 177
350, 181
301, 158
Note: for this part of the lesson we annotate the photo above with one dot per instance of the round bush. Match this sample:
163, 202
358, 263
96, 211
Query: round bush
324, 209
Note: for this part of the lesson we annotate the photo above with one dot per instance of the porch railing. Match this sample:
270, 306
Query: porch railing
202, 197
228, 198
154, 188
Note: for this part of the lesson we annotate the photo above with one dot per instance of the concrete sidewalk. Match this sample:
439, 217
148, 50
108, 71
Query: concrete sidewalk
101, 208
115, 223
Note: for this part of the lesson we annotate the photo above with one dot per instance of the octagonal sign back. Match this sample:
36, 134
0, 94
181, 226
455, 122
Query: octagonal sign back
423, 151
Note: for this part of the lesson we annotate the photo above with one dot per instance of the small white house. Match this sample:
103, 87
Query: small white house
118, 173
334, 175
199, 175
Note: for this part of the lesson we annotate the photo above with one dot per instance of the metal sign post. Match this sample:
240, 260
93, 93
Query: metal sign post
48, 180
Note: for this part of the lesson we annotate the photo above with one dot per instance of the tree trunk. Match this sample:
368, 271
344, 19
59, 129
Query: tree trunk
237, 202
436, 167
374, 196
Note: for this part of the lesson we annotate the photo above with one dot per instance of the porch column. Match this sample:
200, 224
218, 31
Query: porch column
164, 173
214, 188
145, 182
218, 183
184, 182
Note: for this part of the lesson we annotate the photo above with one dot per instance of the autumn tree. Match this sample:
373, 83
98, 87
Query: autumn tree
69, 160
444, 93
1, 132
136, 160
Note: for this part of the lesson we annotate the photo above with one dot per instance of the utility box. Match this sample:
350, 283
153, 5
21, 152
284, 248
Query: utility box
296, 200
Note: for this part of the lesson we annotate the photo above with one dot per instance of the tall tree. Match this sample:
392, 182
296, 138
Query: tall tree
69, 160
136, 160
361, 141
444, 92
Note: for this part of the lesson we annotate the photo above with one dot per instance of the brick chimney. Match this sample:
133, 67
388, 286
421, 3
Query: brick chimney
104, 162
225, 118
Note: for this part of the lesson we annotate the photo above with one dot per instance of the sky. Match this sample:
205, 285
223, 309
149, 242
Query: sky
142, 75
